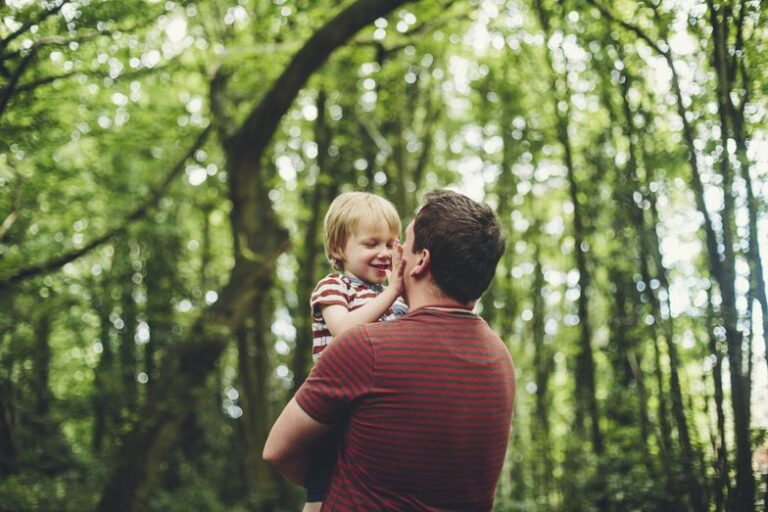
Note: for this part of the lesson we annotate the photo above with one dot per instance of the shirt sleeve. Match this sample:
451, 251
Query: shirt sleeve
340, 378
330, 290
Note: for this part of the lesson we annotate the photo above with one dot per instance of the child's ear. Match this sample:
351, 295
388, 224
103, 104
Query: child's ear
422, 264
336, 255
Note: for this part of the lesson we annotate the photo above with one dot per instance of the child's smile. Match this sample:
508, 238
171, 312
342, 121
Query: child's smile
368, 253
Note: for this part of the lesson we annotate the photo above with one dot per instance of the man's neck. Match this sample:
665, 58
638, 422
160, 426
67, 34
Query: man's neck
428, 298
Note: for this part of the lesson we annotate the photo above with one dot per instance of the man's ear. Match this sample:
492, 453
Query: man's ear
422, 264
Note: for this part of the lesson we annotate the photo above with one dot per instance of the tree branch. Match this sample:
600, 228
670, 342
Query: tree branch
138, 213
31, 86
427, 139
737, 61
632, 28
224, 123
738, 46
385, 150
10, 88
26, 26
258, 128
56, 41
420, 29
93, 73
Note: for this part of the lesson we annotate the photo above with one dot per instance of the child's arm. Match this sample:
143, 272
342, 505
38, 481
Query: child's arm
339, 319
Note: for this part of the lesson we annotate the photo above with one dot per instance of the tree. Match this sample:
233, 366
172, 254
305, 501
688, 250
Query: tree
259, 240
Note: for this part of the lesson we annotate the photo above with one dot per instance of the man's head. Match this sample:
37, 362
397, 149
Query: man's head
360, 229
460, 239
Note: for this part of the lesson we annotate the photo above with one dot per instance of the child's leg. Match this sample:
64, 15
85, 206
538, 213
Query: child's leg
321, 463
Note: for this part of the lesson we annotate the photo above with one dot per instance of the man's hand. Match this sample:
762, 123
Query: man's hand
289, 441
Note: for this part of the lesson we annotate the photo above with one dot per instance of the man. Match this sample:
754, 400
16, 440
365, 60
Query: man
425, 401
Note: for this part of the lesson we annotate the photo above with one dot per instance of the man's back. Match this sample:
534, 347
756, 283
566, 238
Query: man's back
429, 401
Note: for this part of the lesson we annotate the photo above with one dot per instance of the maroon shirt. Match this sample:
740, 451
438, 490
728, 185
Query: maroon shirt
425, 403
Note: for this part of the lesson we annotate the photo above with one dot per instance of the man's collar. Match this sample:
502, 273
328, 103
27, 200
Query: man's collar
450, 307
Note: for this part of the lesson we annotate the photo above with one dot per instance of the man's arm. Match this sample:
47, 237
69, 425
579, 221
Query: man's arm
288, 443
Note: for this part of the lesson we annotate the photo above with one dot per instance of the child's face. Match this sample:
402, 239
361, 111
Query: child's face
368, 252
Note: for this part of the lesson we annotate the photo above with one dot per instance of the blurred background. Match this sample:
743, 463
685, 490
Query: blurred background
165, 168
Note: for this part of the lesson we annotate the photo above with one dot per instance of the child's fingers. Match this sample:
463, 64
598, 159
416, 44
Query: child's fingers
397, 254
398, 250
398, 263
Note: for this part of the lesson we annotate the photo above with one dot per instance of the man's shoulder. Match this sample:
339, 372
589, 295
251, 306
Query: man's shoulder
351, 341
400, 326
495, 340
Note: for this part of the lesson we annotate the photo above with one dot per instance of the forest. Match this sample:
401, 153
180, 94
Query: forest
165, 167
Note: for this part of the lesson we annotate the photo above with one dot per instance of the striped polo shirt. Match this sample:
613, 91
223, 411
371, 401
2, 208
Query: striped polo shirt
347, 291
425, 403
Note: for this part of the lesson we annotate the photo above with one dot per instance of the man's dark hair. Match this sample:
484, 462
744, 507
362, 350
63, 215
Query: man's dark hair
464, 241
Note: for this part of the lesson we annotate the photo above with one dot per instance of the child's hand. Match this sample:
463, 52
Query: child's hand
398, 266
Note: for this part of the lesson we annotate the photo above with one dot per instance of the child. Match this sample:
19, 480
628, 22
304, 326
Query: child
361, 241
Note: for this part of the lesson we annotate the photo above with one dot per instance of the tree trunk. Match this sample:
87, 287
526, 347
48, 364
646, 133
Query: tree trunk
127, 347
161, 279
103, 375
138, 464
649, 252
726, 76
586, 397
8, 464
507, 189
721, 482
724, 270
754, 256
543, 366
312, 248
695, 493
42, 362
627, 307
398, 160
254, 344
8, 451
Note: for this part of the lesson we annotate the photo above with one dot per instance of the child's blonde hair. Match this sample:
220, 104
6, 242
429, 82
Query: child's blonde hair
344, 216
